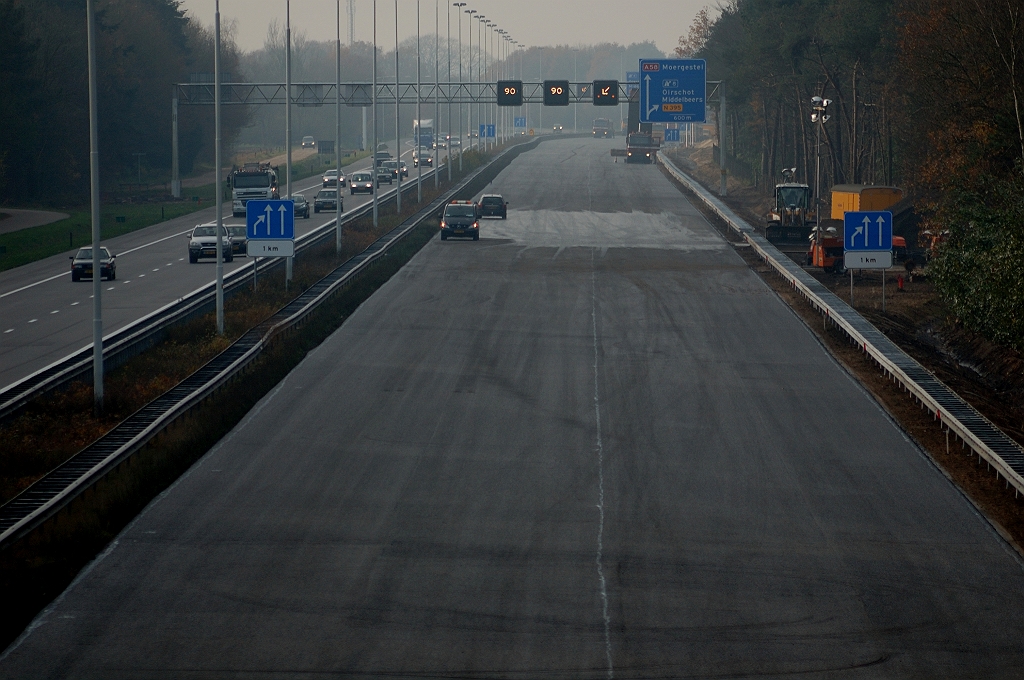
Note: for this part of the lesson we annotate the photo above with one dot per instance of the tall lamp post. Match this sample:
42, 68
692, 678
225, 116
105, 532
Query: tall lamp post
448, 146
469, 116
373, 112
437, 87
217, 162
398, 121
337, 132
287, 123
460, 5
819, 117
481, 141
94, 199
419, 113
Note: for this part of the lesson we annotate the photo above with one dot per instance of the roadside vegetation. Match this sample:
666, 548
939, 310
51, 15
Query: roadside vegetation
926, 94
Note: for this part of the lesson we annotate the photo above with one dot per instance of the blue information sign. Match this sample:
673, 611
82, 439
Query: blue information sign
867, 230
490, 130
270, 220
673, 90
672, 135
519, 121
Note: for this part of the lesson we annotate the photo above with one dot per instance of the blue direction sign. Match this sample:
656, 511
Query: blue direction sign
672, 135
867, 230
519, 121
673, 90
490, 130
483, 130
269, 220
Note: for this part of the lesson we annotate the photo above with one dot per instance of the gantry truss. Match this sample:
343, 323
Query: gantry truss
359, 94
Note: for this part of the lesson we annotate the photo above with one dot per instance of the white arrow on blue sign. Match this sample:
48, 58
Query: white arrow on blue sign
273, 219
672, 135
673, 90
519, 122
490, 130
867, 230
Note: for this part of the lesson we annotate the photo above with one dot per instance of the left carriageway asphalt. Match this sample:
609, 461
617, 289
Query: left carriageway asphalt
44, 316
592, 444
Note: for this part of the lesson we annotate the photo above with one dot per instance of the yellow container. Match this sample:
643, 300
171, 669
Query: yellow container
856, 197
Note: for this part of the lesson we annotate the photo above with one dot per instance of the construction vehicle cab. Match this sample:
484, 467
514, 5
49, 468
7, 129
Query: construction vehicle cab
792, 216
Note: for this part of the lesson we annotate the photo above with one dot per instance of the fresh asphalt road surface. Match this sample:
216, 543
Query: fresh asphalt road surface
592, 444
44, 316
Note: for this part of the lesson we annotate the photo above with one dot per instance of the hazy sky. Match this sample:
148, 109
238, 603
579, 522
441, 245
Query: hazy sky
531, 22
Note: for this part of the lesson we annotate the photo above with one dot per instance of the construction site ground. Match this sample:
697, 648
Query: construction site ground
988, 376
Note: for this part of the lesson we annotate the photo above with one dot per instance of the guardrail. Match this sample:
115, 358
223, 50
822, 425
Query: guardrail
140, 334
47, 496
985, 439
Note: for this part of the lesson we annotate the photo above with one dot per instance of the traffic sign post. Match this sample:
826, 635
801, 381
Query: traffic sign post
270, 228
673, 91
867, 243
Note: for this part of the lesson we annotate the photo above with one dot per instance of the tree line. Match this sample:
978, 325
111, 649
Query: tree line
143, 47
926, 94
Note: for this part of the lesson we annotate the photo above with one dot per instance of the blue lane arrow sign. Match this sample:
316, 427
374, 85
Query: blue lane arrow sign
273, 219
867, 230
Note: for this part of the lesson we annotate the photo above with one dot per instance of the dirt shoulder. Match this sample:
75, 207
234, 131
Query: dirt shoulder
989, 377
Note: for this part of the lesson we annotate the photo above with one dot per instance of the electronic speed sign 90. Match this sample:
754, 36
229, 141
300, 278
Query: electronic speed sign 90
606, 93
556, 93
510, 93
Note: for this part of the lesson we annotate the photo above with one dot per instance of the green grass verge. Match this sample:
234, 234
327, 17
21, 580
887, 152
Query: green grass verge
36, 243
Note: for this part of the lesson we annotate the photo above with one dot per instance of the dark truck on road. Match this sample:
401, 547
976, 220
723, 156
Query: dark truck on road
603, 128
641, 147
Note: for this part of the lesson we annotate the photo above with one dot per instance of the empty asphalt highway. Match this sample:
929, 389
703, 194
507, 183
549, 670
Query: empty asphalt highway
591, 445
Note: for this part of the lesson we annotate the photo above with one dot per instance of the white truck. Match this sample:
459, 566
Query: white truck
252, 181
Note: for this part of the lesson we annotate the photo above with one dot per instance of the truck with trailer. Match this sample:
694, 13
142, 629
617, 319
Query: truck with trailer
252, 181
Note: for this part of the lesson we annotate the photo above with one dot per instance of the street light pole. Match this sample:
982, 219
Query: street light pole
218, 199
419, 113
437, 88
94, 199
469, 116
337, 136
287, 122
398, 120
373, 112
819, 117
448, 145
460, 5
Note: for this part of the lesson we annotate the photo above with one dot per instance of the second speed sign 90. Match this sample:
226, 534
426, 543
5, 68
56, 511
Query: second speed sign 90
556, 93
510, 93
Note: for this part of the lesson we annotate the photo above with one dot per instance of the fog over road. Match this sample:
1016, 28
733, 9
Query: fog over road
593, 444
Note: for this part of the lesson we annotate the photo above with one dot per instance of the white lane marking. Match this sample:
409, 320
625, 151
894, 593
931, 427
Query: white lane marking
33, 320
56, 311
599, 445
157, 269
9, 330
141, 275
111, 288
57, 276
169, 264
73, 304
